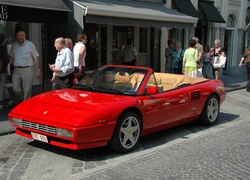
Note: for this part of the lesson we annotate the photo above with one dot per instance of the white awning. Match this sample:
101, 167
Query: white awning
129, 13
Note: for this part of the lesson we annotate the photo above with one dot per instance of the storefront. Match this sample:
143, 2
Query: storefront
205, 11
109, 23
32, 16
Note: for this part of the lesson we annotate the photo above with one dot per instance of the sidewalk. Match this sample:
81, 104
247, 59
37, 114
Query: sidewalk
231, 83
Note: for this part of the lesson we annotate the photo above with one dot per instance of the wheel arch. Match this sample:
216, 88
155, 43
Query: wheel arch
216, 94
135, 110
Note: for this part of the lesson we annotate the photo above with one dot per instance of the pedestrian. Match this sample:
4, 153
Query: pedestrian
79, 52
207, 62
63, 67
190, 59
168, 55
216, 53
246, 57
24, 57
130, 55
4, 60
177, 57
68, 44
199, 48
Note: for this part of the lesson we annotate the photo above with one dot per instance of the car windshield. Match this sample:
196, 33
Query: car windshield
115, 80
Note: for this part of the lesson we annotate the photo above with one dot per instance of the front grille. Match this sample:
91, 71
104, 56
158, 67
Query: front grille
40, 127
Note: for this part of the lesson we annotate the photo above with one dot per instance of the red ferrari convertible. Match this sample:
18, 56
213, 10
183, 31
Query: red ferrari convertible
116, 105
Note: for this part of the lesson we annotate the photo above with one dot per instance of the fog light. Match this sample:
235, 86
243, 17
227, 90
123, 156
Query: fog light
64, 132
16, 121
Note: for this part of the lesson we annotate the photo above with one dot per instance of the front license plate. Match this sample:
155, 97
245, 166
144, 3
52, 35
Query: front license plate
39, 137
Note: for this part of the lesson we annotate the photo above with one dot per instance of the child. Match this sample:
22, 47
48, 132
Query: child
207, 61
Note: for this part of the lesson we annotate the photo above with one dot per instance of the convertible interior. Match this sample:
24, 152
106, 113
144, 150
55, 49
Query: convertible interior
164, 81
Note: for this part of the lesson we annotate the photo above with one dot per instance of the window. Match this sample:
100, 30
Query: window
143, 40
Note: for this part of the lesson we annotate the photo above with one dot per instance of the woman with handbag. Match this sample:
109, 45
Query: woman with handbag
217, 53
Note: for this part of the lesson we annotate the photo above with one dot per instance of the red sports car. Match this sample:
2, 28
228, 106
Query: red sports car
116, 105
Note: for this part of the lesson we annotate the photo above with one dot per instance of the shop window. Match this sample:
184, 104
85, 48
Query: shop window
143, 42
91, 57
8, 28
120, 36
176, 35
229, 41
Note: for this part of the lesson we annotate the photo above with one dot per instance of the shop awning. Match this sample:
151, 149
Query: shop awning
186, 7
39, 11
210, 11
127, 13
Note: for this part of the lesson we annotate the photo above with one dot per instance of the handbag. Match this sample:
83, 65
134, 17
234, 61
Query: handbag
219, 62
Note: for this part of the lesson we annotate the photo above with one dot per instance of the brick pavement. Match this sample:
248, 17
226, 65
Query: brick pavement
190, 151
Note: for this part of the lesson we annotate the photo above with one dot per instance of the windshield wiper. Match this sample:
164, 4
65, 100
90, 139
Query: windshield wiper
85, 87
111, 90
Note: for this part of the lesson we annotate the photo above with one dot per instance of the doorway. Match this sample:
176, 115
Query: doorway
228, 43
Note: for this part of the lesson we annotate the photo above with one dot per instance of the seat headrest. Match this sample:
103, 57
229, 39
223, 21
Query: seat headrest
122, 77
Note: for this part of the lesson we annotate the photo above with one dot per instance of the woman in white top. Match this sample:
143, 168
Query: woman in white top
79, 52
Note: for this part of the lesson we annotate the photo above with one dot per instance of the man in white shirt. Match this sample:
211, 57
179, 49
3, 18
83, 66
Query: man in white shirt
130, 55
24, 56
63, 67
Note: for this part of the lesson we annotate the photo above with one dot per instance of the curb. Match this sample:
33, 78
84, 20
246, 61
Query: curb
7, 133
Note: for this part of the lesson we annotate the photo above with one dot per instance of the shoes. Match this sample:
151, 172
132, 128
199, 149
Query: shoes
248, 89
10, 104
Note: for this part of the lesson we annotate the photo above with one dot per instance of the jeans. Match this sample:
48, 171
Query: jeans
76, 70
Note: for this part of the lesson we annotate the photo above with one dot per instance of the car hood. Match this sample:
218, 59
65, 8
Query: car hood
62, 106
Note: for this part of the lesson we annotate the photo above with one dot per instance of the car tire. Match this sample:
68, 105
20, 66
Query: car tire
210, 112
127, 133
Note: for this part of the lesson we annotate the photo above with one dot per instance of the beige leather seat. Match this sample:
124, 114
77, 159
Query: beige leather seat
122, 81
136, 79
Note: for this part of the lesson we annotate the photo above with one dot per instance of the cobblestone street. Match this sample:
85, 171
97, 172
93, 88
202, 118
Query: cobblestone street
190, 151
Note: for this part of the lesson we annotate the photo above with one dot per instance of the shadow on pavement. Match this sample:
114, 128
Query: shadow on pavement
146, 142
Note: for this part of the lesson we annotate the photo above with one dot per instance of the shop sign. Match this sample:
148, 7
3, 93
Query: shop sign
3, 12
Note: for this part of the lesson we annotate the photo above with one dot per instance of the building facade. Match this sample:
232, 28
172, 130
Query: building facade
34, 17
108, 23
230, 24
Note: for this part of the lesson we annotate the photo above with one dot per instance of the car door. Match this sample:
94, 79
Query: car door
164, 107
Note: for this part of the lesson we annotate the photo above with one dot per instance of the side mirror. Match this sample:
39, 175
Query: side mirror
151, 90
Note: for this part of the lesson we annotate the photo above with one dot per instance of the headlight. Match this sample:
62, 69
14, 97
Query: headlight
16, 121
64, 132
